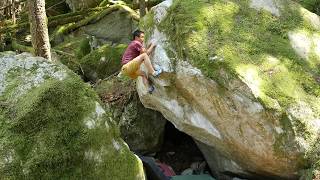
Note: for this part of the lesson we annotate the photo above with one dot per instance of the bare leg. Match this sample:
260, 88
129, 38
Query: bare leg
144, 78
144, 58
148, 64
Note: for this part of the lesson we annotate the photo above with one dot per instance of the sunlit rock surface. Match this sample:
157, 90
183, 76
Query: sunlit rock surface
240, 77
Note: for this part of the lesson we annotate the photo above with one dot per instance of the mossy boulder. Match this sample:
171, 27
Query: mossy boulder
52, 127
71, 50
141, 128
89, 56
102, 62
242, 77
116, 27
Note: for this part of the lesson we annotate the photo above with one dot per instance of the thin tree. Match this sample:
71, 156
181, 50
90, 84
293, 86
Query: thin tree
13, 11
142, 7
7, 10
39, 28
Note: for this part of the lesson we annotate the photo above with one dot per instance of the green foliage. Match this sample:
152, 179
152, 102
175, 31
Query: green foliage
104, 3
313, 156
83, 49
311, 5
72, 47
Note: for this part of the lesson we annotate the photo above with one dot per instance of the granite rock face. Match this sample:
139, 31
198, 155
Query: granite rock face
141, 128
239, 77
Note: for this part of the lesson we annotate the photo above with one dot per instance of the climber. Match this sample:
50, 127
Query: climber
134, 56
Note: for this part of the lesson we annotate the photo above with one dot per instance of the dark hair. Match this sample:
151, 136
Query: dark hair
137, 33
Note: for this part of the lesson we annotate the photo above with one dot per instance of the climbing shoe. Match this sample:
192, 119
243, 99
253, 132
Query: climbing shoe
157, 72
151, 89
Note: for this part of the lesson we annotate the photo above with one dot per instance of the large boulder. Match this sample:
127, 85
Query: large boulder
240, 77
52, 126
116, 27
141, 128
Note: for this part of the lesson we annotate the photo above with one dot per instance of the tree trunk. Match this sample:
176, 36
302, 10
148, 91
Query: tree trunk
7, 10
142, 5
13, 11
39, 28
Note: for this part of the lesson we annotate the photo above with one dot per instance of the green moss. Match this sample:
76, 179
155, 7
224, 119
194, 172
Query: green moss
282, 139
135, 121
147, 24
83, 49
115, 85
43, 134
32, 123
311, 5
313, 156
116, 93
73, 48
103, 61
238, 37
229, 40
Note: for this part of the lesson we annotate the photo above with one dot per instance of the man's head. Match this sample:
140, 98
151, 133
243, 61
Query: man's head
138, 35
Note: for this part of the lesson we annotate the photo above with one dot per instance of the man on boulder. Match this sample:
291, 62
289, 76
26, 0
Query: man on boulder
134, 56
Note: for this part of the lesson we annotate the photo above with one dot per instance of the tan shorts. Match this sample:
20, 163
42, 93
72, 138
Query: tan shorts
131, 69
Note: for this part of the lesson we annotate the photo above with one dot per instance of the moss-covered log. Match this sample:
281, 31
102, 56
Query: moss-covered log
96, 17
133, 14
102, 62
104, 3
83, 12
66, 20
63, 19
134, 4
111, 2
149, 4
20, 47
54, 21
71, 50
14, 27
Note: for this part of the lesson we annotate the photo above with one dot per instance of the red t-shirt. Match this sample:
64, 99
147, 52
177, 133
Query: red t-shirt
132, 51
